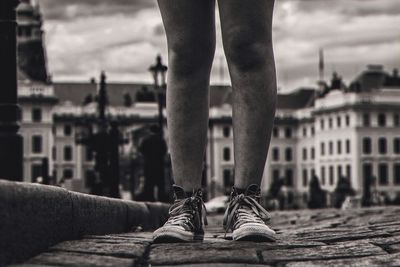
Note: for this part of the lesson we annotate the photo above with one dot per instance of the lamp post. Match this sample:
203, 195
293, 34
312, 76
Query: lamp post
11, 152
158, 71
105, 144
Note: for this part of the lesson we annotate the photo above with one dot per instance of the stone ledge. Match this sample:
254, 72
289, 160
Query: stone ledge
35, 217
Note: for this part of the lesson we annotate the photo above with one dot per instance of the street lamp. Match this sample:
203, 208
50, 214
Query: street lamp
105, 145
158, 71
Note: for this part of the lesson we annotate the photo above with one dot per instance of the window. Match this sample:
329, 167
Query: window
348, 146
90, 177
396, 119
275, 174
366, 120
330, 123
382, 145
383, 174
304, 131
28, 32
322, 124
312, 153
68, 173
288, 132
37, 144
367, 145
312, 131
305, 178
55, 175
396, 173
339, 122
396, 145
348, 171
339, 171
275, 132
67, 153
323, 179
347, 120
330, 148
275, 154
312, 172
88, 154
339, 147
367, 171
381, 120
54, 130
36, 172
322, 149
67, 130
304, 153
54, 153
228, 178
227, 154
331, 178
289, 177
226, 131
288, 154
36, 115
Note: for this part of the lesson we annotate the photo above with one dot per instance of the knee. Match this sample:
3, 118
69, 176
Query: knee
190, 58
248, 53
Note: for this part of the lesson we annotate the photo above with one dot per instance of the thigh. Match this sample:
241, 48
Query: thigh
245, 22
188, 22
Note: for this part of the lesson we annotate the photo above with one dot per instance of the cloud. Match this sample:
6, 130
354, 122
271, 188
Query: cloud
124, 36
73, 9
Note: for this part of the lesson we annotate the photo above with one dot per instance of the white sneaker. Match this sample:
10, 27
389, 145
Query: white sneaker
185, 223
246, 218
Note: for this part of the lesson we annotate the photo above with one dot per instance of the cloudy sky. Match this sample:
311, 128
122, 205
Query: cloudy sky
124, 36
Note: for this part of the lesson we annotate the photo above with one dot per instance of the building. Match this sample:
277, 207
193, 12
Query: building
331, 131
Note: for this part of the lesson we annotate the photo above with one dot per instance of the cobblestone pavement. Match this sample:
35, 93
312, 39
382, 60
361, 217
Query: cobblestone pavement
362, 237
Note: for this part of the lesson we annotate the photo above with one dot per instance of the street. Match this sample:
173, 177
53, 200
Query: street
305, 238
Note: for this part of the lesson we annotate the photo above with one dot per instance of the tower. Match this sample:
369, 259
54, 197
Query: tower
31, 51
321, 65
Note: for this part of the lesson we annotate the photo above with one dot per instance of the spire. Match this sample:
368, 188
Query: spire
321, 65
102, 97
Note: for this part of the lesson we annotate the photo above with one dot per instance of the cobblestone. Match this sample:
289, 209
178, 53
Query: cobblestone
359, 237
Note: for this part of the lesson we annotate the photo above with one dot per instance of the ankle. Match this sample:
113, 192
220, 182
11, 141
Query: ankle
184, 192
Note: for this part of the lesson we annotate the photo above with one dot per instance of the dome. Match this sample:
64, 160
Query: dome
25, 7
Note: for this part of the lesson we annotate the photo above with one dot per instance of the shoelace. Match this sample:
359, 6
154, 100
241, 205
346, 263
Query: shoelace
184, 210
244, 209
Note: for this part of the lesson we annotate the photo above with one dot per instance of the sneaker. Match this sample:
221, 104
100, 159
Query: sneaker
246, 218
185, 221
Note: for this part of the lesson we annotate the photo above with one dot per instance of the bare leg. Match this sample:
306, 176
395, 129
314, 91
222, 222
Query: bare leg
247, 38
190, 29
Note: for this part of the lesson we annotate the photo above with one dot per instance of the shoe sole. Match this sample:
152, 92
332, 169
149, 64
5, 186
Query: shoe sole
176, 236
255, 235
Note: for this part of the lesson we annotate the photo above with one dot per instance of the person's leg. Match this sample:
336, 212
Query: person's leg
247, 38
246, 32
190, 30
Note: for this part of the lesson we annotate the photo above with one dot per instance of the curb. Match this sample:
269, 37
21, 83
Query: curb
34, 217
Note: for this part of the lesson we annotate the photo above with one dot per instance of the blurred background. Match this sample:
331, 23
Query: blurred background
92, 83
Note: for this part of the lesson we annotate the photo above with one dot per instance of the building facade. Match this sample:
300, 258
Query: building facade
330, 131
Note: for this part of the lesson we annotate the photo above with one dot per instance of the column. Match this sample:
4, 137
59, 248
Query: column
11, 148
